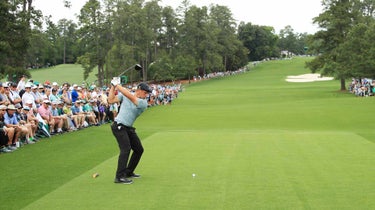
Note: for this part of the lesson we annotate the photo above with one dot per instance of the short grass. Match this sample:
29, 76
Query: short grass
253, 140
72, 73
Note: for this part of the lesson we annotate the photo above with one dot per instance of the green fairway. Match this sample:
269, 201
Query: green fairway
253, 141
233, 170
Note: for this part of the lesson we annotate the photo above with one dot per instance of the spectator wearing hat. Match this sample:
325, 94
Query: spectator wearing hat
95, 108
89, 112
77, 111
10, 120
3, 95
73, 118
38, 98
14, 96
27, 95
55, 85
68, 123
24, 122
5, 133
46, 114
32, 113
60, 120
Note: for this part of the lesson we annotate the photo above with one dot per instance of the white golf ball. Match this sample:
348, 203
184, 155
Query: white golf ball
193, 175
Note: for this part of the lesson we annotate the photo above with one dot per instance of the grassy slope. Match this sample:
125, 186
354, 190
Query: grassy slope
72, 73
254, 140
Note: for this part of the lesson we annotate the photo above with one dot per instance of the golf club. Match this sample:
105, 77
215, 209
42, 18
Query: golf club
137, 67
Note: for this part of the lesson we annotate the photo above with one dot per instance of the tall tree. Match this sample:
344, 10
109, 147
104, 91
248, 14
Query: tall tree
259, 40
15, 34
338, 17
168, 34
93, 34
222, 18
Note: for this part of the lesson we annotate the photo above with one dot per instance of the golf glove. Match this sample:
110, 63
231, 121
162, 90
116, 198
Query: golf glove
115, 81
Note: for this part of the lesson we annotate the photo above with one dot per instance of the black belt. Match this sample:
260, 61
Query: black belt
122, 125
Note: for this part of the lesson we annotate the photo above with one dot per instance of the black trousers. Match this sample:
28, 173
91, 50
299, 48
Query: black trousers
3, 138
127, 140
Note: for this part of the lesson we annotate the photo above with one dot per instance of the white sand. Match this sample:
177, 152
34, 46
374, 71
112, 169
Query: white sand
307, 78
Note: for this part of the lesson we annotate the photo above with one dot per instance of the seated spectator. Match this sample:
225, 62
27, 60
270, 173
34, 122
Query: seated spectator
100, 115
5, 133
77, 111
69, 122
53, 96
65, 96
14, 96
73, 119
27, 95
60, 120
10, 120
4, 91
45, 112
89, 112
22, 120
32, 120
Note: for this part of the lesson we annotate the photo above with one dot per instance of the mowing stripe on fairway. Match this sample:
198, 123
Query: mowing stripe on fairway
261, 169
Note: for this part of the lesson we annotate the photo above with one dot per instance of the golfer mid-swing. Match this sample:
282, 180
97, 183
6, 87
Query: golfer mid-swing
132, 105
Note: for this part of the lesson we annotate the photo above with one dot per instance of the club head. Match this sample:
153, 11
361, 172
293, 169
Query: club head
137, 67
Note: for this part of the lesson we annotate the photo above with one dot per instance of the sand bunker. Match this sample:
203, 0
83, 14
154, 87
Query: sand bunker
307, 78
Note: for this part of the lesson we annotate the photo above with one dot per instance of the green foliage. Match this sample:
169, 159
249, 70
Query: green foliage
260, 40
331, 43
184, 67
162, 70
358, 51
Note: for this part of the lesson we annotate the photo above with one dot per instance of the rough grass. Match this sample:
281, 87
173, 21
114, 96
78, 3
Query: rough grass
254, 141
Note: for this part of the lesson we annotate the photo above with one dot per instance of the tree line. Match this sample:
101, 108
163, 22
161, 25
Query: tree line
171, 44
112, 35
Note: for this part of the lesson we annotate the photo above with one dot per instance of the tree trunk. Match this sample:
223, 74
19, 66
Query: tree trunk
343, 86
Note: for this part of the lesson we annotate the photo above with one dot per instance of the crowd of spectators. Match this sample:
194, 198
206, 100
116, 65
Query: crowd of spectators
362, 87
30, 111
